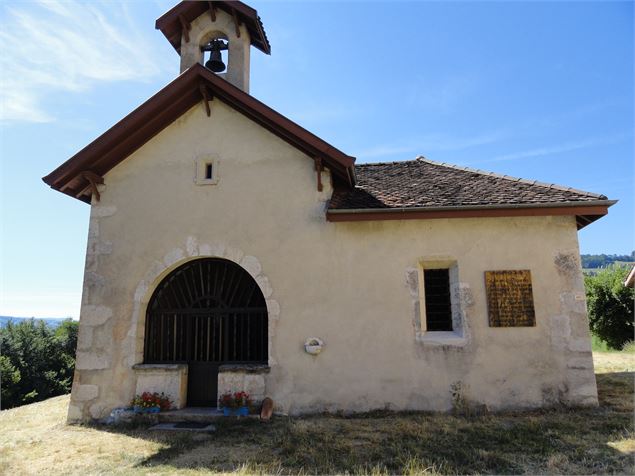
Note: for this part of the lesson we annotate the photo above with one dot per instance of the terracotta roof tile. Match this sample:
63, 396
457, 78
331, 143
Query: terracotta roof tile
424, 183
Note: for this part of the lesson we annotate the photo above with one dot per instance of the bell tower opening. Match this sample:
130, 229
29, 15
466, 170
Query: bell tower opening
215, 61
216, 34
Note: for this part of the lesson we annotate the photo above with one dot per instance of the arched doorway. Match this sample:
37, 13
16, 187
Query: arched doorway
206, 313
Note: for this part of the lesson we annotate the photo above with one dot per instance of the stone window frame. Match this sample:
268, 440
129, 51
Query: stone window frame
201, 168
458, 336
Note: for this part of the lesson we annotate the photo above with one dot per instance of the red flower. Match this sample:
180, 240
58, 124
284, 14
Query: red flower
151, 400
234, 400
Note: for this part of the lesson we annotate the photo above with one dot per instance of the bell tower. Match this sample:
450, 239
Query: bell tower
217, 35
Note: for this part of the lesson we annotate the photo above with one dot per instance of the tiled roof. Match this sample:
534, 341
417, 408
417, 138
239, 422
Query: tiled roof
423, 183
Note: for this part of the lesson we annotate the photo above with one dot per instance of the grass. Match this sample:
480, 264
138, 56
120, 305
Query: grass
34, 439
598, 345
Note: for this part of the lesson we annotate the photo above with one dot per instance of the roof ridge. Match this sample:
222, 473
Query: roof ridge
512, 179
386, 163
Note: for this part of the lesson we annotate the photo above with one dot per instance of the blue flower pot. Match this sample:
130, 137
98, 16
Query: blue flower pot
138, 409
240, 411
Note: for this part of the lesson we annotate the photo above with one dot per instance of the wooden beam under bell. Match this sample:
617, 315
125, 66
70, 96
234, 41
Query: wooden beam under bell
236, 22
212, 10
207, 97
186, 26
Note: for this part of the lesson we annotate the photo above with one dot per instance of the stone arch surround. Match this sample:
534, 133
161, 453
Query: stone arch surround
159, 269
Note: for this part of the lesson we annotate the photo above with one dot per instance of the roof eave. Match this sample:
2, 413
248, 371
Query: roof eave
147, 120
585, 211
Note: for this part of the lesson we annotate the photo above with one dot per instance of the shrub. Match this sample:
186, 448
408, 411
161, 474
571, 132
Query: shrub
610, 305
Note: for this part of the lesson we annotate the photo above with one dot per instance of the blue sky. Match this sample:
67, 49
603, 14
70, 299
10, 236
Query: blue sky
540, 90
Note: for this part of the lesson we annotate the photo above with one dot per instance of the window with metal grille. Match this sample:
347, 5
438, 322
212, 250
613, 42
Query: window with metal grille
207, 310
437, 299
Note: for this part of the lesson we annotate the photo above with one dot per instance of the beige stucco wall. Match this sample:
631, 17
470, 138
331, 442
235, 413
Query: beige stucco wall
354, 285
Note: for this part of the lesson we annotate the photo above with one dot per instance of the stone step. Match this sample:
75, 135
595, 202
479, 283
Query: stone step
198, 427
194, 414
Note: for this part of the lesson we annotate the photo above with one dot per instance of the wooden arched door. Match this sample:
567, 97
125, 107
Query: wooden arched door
206, 313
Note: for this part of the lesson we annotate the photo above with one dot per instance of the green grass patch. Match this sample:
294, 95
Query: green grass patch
598, 345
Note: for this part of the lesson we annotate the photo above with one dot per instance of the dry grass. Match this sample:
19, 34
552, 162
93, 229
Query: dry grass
34, 439
610, 362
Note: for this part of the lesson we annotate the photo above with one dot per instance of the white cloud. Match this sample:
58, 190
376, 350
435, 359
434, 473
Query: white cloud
559, 148
431, 143
52, 46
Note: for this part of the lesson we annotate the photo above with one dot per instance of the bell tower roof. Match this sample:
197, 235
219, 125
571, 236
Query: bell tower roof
173, 22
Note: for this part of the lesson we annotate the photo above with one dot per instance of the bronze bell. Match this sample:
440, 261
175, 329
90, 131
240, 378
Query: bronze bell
215, 61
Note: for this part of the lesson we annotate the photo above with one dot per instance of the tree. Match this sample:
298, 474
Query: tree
37, 362
9, 380
610, 305
603, 261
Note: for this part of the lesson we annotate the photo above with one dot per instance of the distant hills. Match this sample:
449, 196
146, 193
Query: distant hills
52, 322
602, 261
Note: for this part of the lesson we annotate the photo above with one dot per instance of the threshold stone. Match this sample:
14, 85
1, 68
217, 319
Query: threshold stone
194, 426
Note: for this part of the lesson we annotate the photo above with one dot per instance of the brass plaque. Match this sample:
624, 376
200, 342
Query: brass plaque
510, 299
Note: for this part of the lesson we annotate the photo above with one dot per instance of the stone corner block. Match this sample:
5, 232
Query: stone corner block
74, 414
191, 246
251, 265
97, 411
100, 211
580, 345
273, 308
173, 256
85, 392
265, 286
91, 361
95, 315
580, 363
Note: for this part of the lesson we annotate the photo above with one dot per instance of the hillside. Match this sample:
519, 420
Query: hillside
603, 260
52, 322
35, 440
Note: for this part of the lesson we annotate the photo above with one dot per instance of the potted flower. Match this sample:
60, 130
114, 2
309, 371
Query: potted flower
236, 403
151, 402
